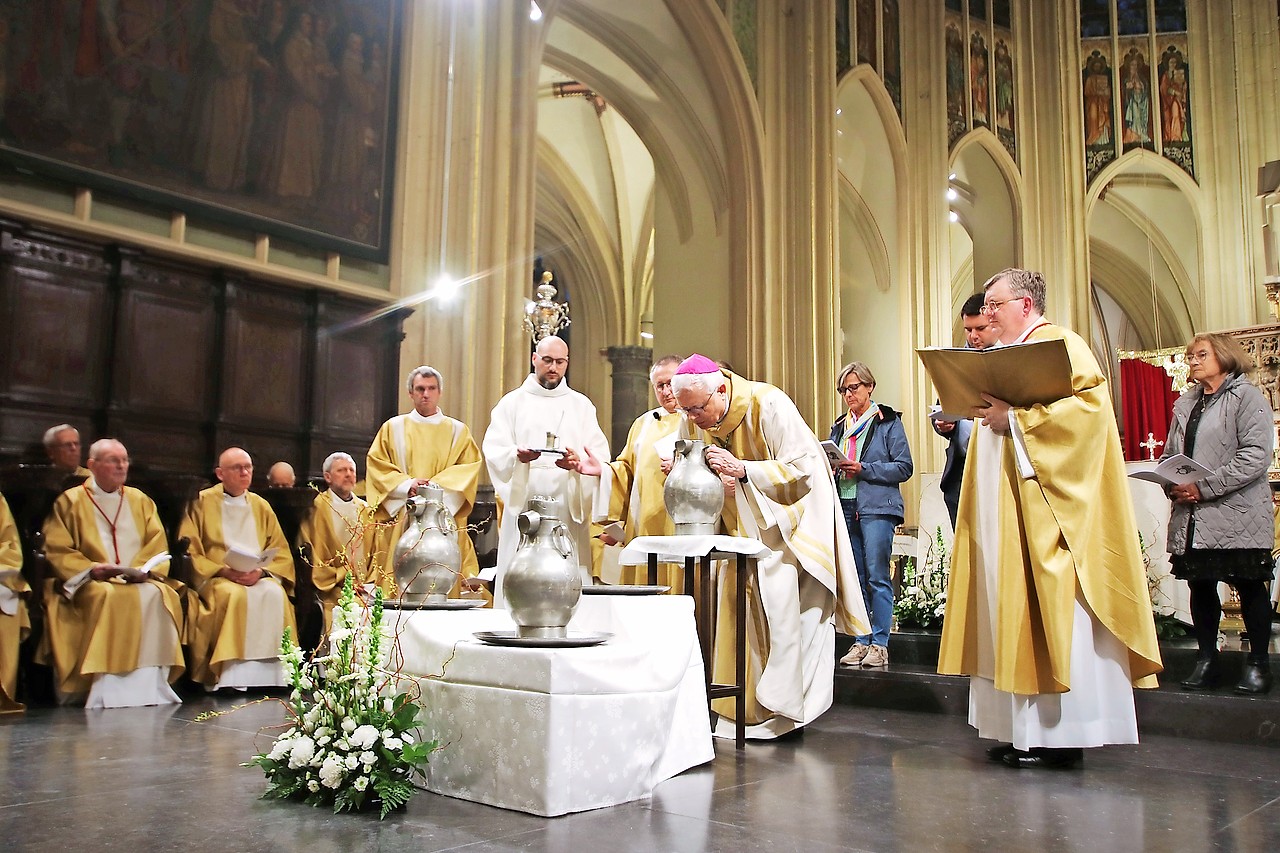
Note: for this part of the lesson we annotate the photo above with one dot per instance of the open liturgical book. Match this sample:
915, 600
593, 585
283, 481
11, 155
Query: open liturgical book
1177, 470
130, 573
241, 560
1023, 375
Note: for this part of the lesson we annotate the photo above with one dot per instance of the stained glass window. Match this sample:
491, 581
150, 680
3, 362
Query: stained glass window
1171, 16
1095, 18
1131, 17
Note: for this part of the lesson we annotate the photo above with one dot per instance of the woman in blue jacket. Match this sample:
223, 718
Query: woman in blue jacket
877, 460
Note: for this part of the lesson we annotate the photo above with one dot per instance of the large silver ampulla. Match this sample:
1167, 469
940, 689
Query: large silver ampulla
543, 583
427, 560
693, 494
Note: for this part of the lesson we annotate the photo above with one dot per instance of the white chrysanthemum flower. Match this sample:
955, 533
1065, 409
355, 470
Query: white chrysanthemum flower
367, 758
392, 743
301, 749
352, 761
280, 748
313, 785
331, 772
364, 737
361, 783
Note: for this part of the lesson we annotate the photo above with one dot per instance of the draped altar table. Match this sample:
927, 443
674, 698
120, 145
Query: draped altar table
551, 731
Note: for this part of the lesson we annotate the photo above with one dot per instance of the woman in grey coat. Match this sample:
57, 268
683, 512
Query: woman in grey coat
1221, 527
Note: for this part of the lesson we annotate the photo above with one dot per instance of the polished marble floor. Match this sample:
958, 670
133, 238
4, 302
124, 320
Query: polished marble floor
859, 779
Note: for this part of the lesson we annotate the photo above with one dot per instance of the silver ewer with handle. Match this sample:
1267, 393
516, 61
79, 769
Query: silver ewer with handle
543, 583
693, 494
427, 559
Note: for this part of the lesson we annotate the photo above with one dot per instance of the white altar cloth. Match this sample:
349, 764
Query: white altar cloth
552, 731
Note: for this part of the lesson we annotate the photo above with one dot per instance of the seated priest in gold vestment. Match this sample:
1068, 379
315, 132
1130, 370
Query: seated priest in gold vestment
113, 616
340, 532
14, 624
244, 575
62, 445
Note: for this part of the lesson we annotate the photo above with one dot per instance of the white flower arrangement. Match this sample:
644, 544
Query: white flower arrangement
923, 599
349, 744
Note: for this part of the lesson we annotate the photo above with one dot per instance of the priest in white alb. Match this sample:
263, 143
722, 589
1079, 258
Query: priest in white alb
543, 410
243, 610
14, 621
340, 532
632, 484
781, 492
410, 451
112, 632
1047, 606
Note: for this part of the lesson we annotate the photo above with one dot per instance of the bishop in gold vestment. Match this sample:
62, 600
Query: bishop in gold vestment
784, 495
240, 616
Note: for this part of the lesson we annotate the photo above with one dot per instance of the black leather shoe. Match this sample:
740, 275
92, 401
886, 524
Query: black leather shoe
1255, 679
1043, 758
999, 751
1204, 676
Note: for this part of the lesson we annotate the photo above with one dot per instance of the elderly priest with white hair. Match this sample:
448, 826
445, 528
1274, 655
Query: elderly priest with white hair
783, 495
340, 531
244, 608
113, 631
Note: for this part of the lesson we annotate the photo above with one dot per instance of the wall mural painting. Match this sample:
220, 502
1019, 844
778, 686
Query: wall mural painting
980, 79
892, 53
1175, 106
276, 116
1099, 109
958, 97
1005, 117
957, 85
1135, 98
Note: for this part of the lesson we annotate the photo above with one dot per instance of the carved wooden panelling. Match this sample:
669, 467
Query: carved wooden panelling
164, 347
347, 395
179, 363
265, 358
55, 306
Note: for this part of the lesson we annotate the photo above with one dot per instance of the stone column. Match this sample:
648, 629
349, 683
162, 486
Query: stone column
799, 302
630, 390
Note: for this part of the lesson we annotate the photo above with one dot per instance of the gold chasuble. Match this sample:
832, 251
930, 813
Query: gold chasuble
99, 631
635, 496
410, 447
788, 502
338, 540
220, 621
14, 624
1068, 528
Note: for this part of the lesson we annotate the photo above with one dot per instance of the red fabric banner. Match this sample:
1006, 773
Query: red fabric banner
1147, 400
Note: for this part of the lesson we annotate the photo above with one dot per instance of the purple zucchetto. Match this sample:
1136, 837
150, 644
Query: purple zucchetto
698, 364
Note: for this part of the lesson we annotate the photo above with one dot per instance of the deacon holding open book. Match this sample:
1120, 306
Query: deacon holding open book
112, 634
243, 607
1047, 608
